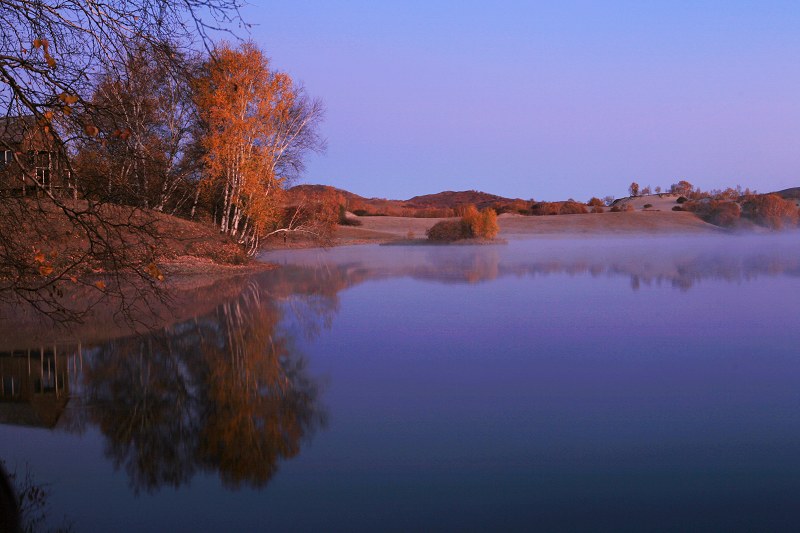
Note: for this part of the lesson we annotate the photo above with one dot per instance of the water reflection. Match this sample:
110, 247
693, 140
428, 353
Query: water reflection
222, 393
34, 388
679, 262
225, 392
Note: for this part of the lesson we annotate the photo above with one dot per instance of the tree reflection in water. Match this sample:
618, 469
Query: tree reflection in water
225, 393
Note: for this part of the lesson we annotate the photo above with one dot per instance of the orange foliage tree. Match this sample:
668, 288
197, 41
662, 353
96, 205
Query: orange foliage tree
717, 212
595, 201
259, 125
772, 211
473, 224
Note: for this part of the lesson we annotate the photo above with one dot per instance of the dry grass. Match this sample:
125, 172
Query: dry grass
166, 238
376, 229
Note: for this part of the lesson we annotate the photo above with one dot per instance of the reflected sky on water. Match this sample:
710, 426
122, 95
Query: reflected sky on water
584, 384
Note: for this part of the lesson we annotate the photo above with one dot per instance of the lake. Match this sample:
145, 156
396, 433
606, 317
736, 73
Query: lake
556, 385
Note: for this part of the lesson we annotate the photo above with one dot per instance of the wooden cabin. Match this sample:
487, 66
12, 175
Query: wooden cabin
28, 151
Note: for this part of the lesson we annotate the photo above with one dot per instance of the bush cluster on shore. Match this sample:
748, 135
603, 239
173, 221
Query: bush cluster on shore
768, 210
568, 207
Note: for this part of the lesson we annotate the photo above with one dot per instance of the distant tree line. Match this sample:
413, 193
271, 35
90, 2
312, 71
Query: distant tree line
726, 207
723, 207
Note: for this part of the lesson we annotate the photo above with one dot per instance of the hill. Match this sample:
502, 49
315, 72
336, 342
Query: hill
453, 199
441, 204
793, 192
447, 204
322, 190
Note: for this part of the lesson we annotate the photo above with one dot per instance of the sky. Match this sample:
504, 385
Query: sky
544, 100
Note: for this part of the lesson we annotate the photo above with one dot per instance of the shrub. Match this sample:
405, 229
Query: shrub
598, 209
470, 215
725, 214
595, 202
621, 208
482, 223
544, 208
449, 230
715, 212
648, 206
572, 208
682, 199
361, 213
464, 210
677, 208
516, 206
473, 224
771, 210
487, 227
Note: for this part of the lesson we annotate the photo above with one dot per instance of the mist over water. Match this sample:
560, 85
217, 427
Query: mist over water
582, 384
678, 260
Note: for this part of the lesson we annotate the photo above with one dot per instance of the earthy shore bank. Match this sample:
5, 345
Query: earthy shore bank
379, 229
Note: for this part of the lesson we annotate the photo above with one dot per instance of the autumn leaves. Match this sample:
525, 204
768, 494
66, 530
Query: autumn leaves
258, 126
244, 105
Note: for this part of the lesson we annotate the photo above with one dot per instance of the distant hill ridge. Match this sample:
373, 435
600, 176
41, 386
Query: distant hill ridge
442, 200
456, 198
439, 200
793, 192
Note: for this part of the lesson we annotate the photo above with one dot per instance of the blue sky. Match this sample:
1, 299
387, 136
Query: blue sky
544, 100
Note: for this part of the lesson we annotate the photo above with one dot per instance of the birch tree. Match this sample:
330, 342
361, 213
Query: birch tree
144, 154
259, 126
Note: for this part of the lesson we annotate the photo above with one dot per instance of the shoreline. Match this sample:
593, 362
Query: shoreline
396, 231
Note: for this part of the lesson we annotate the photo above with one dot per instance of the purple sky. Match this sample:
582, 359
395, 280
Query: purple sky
545, 101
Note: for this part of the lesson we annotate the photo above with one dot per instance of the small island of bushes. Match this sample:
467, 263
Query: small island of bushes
473, 224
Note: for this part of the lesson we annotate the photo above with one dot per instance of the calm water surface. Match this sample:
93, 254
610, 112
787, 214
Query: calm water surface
621, 384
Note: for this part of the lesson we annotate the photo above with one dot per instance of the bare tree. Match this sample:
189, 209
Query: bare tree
51, 53
144, 154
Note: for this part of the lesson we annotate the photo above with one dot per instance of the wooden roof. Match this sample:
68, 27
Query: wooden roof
23, 133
